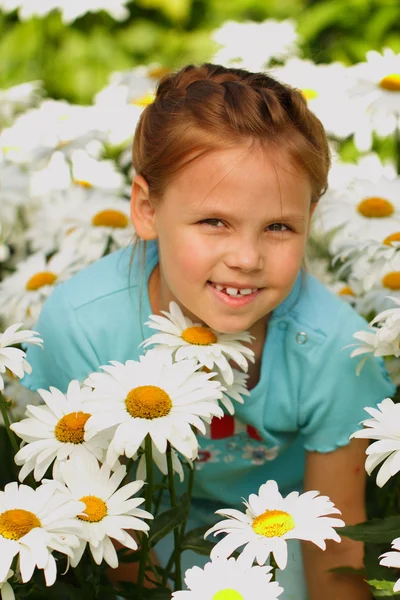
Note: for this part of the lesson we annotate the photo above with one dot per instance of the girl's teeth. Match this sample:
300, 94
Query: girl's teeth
234, 291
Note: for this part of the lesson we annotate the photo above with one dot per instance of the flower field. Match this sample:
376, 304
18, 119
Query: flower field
74, 460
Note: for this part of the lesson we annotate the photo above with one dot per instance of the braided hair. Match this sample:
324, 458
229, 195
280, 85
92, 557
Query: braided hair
209, 107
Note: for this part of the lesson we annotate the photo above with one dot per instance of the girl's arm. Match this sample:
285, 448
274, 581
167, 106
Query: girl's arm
341, 476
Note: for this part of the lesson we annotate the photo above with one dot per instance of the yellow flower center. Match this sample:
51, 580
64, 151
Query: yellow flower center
392, 280
71, 428
158, 72
346, 291
148, 402
375, 208
273, 523
16, 523
110, 218
39, 280
391, 83
144, 100
62, 144
95, 510
227, 594
83, 183
309, 94
199, 336
394, 237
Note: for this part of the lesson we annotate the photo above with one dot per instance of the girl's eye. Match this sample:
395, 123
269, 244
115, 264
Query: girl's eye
278, 227
213, 222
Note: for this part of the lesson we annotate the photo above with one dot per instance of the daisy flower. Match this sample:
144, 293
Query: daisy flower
322, 86
23, 293
54, 125
362, 261
18, 98
73, 10
383, 427
17, 397
99, 218
235, 391
13, 359
343, 290
109, 510
253, 45
270, 520
392, 559
33, 523
383, 286
368, 210
383, 340
56, 431
91, 172
6, 591
134, 87
230, 579
152, 396
186, 339
378, 79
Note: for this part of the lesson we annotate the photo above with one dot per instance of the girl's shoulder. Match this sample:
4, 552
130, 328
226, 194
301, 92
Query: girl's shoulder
96, 316
108, 276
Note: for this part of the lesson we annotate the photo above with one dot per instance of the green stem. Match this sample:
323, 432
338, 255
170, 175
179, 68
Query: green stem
168, 568
107, 249
6, 419
144, 545
172, 495
397, 147
79, 572
274, 566
190, 494
155, 573
159, 496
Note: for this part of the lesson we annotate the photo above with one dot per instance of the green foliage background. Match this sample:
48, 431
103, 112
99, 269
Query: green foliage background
74, 61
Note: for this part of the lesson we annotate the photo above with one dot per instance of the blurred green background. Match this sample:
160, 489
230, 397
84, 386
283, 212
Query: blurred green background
74, 61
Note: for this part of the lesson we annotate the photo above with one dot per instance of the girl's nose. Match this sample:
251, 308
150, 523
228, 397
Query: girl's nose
244, 255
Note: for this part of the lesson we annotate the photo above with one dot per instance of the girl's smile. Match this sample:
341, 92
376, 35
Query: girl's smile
232, 295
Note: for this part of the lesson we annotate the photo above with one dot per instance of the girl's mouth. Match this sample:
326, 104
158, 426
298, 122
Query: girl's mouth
234, 296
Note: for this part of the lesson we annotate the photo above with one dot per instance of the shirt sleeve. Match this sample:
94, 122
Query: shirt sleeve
67, 353
333, 396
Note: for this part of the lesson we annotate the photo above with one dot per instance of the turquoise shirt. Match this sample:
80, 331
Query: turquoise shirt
308, 396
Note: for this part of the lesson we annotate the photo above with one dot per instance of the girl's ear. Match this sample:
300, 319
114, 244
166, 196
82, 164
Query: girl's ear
142, 210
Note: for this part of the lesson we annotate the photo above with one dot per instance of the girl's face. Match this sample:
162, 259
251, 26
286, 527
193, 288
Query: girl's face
232, 219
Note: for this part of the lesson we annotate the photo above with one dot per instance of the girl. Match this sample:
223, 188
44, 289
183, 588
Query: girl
230, 166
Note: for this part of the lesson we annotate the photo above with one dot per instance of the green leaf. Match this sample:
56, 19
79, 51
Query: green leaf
194, 540
382, 588
167, 521
318, 17
381, 584
176, 10
374, 531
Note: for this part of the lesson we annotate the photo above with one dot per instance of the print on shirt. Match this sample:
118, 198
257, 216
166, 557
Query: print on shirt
233, 441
